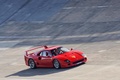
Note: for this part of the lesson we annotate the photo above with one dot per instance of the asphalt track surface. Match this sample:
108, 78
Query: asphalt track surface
92, 26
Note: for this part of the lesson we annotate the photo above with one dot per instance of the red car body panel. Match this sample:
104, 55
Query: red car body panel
74, 56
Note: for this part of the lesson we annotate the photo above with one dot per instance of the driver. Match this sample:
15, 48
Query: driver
54, 52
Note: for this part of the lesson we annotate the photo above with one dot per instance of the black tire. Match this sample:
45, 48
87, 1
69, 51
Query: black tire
32, 64
56, 64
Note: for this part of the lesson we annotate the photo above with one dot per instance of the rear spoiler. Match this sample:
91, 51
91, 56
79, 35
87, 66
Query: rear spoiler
35, 48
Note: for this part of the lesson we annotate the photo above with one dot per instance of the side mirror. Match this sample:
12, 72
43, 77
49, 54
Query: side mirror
71, 49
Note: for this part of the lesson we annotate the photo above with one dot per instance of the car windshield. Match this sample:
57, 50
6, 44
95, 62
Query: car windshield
64, 49
59, 50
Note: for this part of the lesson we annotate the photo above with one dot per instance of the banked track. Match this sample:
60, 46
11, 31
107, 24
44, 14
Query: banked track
82, 21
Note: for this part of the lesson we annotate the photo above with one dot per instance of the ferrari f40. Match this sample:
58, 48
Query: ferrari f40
53, 56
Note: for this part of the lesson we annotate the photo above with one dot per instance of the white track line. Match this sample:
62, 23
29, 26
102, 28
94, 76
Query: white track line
60, 37
7, 44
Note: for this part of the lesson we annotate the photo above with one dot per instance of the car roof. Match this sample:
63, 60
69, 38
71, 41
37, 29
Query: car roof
52, 47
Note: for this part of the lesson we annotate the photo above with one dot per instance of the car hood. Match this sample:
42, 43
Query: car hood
72, 55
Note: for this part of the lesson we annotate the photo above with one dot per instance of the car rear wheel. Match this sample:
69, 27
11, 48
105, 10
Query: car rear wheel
32, 64
56, 64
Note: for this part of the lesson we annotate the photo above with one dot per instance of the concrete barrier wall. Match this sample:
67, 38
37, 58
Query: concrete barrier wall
29, 10
59, 21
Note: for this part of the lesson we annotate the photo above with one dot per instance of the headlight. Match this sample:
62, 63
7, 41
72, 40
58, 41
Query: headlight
67, 61
84, 55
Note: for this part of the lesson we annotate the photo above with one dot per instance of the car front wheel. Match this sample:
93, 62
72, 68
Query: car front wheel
56, 64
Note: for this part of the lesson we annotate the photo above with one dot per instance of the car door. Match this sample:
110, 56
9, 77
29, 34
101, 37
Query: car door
45, 59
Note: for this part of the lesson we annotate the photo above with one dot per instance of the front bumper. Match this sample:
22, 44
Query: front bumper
75, 63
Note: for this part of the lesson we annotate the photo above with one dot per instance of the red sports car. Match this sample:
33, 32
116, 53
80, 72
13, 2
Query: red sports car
53, 56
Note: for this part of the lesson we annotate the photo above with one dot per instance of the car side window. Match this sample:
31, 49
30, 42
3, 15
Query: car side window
45, 53
41, 53
49, 54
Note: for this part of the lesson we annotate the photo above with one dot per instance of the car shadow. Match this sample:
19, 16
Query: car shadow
39, 71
